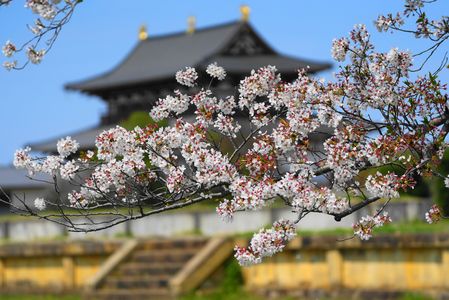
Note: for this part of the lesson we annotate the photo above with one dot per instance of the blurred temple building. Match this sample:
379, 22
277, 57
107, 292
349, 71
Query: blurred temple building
147, 74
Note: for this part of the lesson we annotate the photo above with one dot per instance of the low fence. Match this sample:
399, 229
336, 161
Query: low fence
387, 263
51, 266
205, 223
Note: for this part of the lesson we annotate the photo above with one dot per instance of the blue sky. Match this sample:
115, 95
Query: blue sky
35, 106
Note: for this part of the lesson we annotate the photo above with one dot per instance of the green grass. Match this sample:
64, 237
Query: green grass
326, 232
416, 226
221, 295
415, 296
230, 286
238, 295
40, 297
218, 295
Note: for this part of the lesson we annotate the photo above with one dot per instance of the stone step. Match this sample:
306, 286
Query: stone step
166, 256
149, 268
136, 294
136, 282
146, 272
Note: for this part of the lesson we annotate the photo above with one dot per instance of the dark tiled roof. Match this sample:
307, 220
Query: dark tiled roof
283, 63
160, 57
11, 178
86, 139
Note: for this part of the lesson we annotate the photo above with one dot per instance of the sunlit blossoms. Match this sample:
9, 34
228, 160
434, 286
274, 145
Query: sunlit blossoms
37, 28
383, 186
266, 243
35, 56
216, 71
46, 9
9, 49
51, 165
175, 179
433, 215
176, 104
399, 60
227, 126
425, 27
339, 49
39, 203
67, 146
68, 170
50, 17
385, 23
187, 77
9, 65
260, 83
364, 227
22, 159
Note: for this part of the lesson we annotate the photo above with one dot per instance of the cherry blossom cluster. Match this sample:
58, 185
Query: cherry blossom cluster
177, 104
67, 146
52, 15
187, 77
433, 215
44, 8
340, 48
260, 83
425, 27
383, 186
9, 49
227, 125
40, 204
364, 227
305, 196
51, 164
35, 56
216, 71
266, 242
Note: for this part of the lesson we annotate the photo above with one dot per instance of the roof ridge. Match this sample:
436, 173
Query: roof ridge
73, 85
159, 58
198, 30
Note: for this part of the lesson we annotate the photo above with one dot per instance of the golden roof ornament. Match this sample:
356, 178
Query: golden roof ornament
143, 34
191, 24
245, 11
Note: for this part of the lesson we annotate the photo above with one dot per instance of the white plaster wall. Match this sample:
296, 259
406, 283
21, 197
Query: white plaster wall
163, 225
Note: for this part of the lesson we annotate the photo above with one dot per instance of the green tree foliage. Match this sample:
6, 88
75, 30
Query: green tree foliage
141, 119
439, 191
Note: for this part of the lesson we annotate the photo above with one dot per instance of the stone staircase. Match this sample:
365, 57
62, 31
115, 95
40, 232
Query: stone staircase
146, 271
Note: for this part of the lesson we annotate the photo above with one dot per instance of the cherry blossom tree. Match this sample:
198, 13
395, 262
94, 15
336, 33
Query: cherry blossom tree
381, 108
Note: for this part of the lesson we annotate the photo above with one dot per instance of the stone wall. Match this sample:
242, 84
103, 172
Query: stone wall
206, 223
51, 266
385, 264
